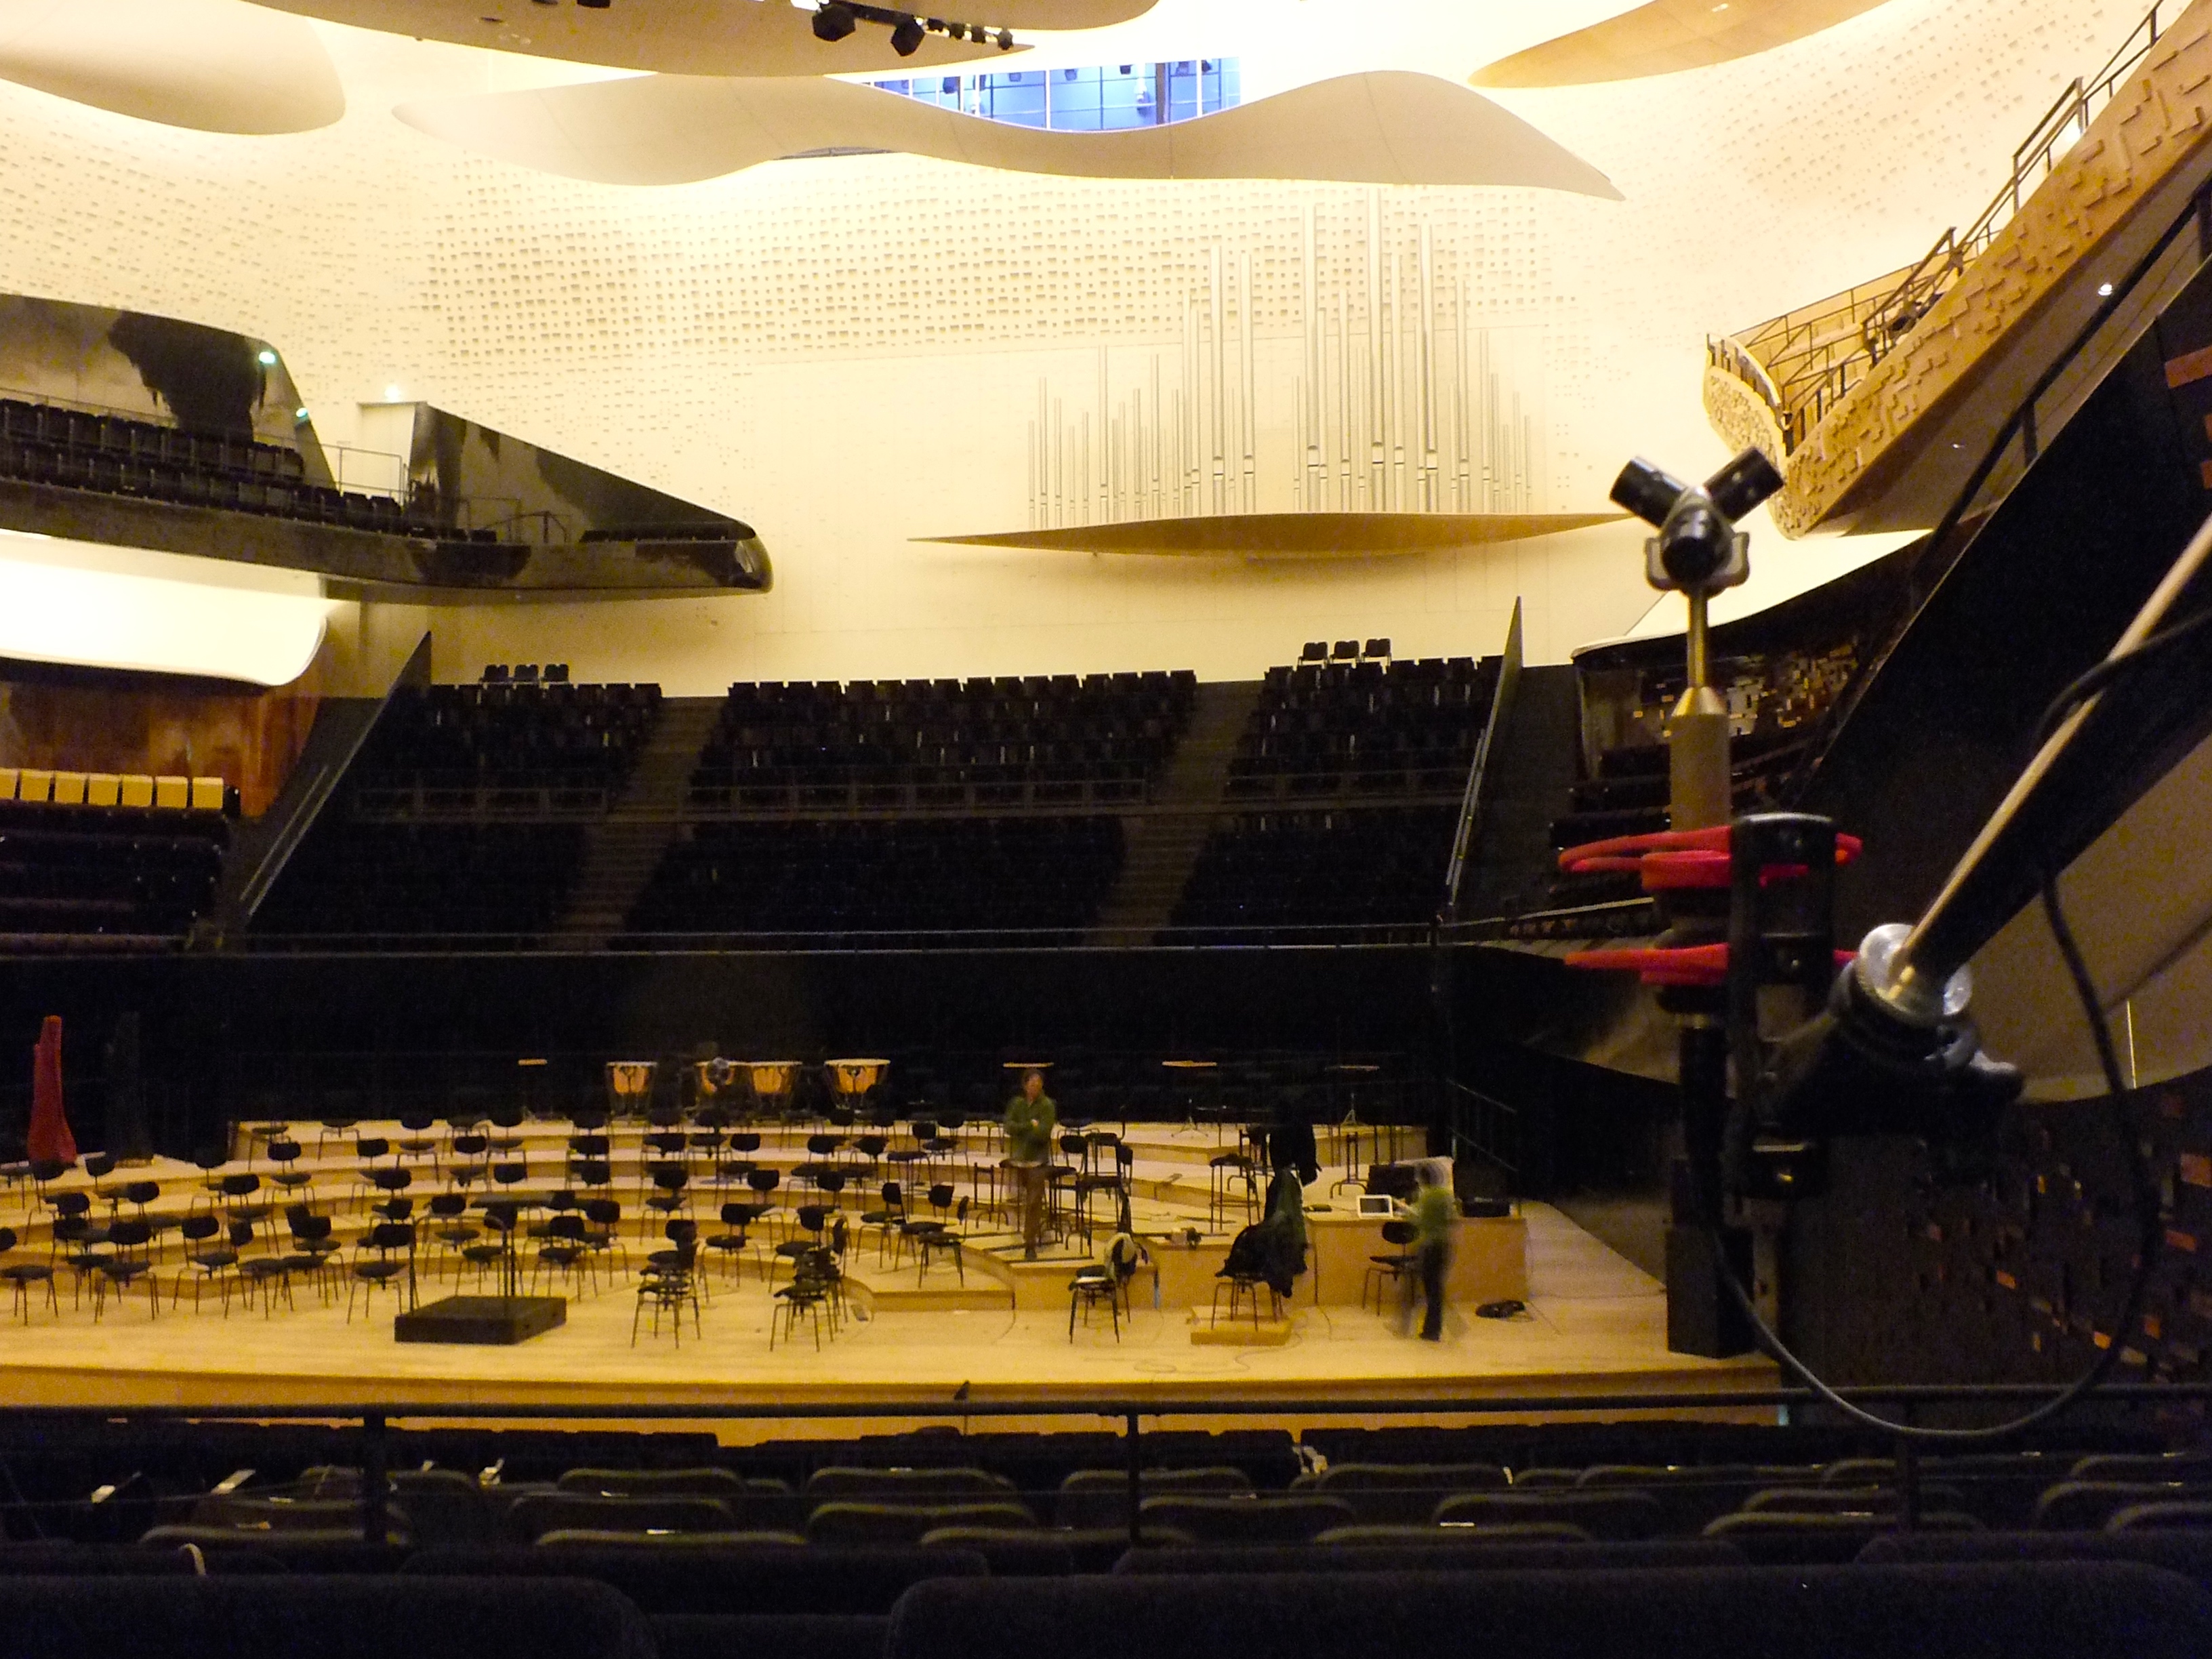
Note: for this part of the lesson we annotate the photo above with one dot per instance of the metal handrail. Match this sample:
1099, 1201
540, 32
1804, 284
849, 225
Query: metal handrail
2021, 421
1804, 374
1469, 827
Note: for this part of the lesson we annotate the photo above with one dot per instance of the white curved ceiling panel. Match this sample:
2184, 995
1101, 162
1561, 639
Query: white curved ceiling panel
1387, 127
216, 65
1666, 36
105, 607
703, 37
1293, 535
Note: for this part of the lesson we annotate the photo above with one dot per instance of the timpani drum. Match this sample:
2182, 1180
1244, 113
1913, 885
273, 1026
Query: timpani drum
630, 1084
853, 1077
772, 1080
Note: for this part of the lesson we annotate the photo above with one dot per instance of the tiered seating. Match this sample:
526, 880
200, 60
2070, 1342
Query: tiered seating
864, 875
1368, 728
511, 747
80, 870
1334, 867
942, 743
44, 443
353, 877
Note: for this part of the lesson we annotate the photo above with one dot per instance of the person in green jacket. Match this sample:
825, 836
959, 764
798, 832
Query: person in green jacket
1434, 1212
1031, 1120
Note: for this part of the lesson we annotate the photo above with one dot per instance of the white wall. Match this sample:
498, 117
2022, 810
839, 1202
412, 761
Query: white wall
848, 352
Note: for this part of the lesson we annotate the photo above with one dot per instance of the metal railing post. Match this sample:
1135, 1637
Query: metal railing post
1136, 1481
375, 1486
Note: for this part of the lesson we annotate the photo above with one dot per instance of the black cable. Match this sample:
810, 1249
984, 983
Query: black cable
2120, 1099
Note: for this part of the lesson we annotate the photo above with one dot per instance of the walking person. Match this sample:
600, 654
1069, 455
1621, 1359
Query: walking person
1434, 1212
1031, 1120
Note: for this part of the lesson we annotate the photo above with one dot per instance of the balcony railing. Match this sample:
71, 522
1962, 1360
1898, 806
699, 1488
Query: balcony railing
1801, 365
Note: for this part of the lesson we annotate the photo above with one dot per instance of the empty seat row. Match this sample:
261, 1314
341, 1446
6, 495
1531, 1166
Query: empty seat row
106, 870
896, 874
1335, 868
352, 876
509, 735
128, 789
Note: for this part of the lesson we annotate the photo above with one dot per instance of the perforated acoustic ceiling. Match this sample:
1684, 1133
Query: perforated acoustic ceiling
1385, 128
846, 351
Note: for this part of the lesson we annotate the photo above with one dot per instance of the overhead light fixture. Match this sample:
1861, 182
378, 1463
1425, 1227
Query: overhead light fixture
267, 357
834, 20
595, 5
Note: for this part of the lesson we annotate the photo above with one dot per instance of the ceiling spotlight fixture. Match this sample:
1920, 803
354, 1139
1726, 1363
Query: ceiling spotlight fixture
595, 5
267, 358
834, 20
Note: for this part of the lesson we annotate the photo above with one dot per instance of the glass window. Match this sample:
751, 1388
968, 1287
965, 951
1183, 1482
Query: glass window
1103, 97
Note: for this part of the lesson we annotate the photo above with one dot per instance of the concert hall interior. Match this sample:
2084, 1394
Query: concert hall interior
900, 835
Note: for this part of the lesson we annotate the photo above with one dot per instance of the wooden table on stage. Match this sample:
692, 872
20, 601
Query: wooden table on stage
1489, 1260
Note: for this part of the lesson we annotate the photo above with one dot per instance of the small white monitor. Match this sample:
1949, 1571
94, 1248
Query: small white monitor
1378, 1204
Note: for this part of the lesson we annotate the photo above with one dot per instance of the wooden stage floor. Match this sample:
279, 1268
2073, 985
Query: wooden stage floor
1596, 1324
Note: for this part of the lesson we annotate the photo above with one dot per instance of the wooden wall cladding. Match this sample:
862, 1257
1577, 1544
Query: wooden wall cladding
158, 725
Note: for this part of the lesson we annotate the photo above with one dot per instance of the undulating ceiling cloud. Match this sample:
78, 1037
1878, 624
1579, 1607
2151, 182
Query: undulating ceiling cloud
1386, 127
215, 65
1666, 36
1293, 535
704, 37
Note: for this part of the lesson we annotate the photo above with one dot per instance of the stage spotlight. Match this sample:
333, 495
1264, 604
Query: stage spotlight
906, 38
1006, 40
835, 22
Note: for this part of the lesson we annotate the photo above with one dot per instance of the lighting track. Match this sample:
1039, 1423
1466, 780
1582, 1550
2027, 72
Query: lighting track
834, 20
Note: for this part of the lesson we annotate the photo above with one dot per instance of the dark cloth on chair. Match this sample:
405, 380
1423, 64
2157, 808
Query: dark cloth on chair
1274, 1248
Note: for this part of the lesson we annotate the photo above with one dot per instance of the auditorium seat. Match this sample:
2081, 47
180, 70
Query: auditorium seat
1337, 867
1044, 876
86, 870
850, 1523
1372, 729
1100, 1497
331, 1617
1781, 1539
1256, 1520
2162, 1516
2187, 1553
1035, 1553
528, 1517
1094, 740
1477, 1549
115, 455
2086, 1506
1599, 1512
695, 1575
1383, 1494
2058, 1610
